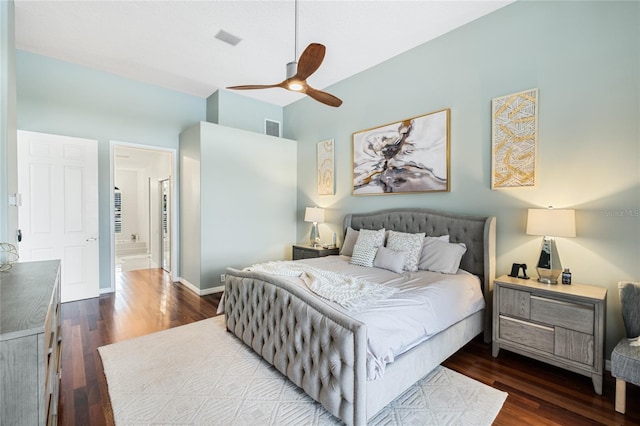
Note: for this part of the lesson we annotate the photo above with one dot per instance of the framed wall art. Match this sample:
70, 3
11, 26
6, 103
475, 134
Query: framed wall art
407, 156
514, 140
326, 183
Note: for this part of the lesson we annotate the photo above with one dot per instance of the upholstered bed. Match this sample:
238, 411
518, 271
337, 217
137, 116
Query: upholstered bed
323, 350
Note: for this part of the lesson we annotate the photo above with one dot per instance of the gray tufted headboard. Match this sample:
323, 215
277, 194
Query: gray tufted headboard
477, 232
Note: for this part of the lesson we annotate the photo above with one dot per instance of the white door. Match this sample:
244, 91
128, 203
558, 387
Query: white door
58, 180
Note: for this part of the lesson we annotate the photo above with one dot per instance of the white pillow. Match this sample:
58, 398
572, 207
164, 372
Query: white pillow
366, 247
389, 259
443, 257
371, 238
410, 244
363, 255
349, 241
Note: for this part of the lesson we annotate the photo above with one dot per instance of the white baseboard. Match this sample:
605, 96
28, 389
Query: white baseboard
198, 291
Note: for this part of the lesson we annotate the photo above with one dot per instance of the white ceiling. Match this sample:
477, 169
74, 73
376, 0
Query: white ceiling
171, 43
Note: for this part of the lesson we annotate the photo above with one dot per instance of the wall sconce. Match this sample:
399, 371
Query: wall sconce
315, 215
550, 223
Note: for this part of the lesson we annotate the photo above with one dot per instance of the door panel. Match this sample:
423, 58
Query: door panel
58, 180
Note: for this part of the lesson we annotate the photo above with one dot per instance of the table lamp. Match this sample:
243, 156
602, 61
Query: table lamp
550, 223
315, 215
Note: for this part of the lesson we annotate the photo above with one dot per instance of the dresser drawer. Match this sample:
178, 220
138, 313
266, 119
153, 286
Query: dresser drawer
514, 303
574, 345
569, 315
528, 334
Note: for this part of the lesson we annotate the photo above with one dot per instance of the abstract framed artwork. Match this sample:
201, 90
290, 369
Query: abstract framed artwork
407, 156
326, 182
514, 140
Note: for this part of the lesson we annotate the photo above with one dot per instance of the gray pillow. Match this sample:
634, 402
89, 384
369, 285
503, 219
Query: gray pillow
427, 245
389, 259
349, 241
442, 257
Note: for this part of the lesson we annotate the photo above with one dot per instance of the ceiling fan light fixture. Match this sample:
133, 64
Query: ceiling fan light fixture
295, 85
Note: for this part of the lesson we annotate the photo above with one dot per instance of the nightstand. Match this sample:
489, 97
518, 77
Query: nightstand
562, 325
309, 252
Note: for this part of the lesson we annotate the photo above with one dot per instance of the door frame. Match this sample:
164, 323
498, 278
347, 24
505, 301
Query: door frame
113, 144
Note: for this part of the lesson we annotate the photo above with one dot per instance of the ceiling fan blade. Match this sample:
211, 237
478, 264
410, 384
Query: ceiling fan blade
255, 86
310, 60
324, 97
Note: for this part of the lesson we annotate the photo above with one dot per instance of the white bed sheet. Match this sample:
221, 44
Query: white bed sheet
424, 304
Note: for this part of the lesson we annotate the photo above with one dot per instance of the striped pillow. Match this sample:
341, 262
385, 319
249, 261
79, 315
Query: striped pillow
366, 247
363, 255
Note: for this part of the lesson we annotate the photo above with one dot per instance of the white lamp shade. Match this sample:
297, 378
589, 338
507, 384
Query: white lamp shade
314, 214
551, 222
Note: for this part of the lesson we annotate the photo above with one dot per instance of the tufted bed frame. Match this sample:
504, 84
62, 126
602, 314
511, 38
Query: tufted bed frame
323, 351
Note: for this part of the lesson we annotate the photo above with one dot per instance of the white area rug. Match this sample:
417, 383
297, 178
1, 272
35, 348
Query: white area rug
198, 374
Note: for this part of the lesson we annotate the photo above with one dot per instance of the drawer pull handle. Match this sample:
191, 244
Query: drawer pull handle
531, 324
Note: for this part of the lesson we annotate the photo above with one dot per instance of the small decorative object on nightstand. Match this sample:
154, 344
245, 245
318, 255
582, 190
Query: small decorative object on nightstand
560, 325
309, 252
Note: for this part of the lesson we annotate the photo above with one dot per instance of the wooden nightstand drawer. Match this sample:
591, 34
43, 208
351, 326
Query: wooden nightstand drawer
308, 252
574, 345
526, 333
515, 303
564, 314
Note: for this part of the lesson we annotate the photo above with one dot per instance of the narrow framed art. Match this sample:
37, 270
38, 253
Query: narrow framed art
326, 182
514, 140
407, 156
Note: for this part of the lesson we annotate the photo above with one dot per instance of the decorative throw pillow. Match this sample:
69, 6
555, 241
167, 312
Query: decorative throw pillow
371, 238
363, 255
410, 244
443, 257
349, 241
366, 247
389, 259
428, 245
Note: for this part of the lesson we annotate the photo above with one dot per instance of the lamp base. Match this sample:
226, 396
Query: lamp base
314, 238
546, 280
549, 267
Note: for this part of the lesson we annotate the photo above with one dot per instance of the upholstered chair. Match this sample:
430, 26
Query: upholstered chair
625, 359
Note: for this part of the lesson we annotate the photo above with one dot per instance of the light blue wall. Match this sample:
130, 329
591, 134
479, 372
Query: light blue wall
8, 173
584, 57
62, 98
238, 201
232, 109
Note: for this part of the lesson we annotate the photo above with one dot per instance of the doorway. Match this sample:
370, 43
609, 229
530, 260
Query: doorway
142, 231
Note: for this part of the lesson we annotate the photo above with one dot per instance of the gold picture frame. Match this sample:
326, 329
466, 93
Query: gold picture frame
407, 156
514, 140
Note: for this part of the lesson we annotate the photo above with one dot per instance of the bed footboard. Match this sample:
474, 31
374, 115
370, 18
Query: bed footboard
320, 349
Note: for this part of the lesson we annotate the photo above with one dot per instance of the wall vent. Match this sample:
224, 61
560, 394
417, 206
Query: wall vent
228, 38
272, 128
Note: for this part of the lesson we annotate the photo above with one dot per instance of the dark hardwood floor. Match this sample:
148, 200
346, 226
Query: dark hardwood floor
146, 302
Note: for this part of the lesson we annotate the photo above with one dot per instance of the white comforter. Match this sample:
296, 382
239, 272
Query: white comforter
424, 304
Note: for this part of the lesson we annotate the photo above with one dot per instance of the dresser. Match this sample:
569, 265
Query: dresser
309, 252
30, 343
562, 325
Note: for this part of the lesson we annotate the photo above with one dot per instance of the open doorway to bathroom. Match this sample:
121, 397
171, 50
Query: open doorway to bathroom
142, 208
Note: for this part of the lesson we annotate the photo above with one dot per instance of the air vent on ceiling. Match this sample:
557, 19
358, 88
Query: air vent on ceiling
271, 128
228, 38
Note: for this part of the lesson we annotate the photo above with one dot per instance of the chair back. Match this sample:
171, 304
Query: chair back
630, 301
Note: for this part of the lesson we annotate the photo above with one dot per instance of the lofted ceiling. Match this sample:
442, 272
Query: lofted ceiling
172, 44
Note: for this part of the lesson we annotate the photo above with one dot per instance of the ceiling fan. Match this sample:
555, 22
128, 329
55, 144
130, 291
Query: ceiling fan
298, 72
